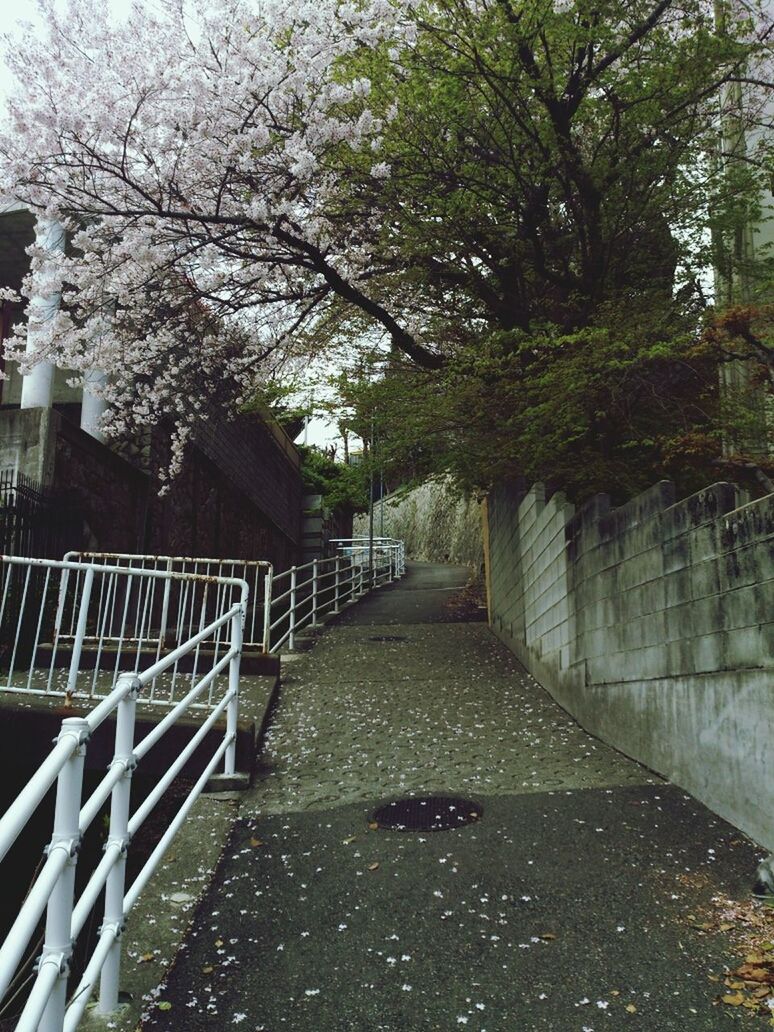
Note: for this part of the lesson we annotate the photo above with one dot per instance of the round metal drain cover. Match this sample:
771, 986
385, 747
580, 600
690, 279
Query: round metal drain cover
427, 813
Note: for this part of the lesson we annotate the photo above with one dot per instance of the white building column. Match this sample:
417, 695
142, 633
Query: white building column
38, 384
93, 407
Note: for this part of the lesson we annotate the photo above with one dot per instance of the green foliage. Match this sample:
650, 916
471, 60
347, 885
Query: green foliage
555, 200
343, 487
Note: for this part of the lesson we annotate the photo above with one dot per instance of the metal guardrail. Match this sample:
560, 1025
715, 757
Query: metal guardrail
53, 891
302, 594
257, 573
362, 549
58, 618
315, 588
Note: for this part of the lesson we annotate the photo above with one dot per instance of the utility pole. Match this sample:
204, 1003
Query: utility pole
371, 504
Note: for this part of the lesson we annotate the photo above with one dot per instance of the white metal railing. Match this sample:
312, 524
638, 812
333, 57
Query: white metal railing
302, 594
363, 549
53, 891
257, 573
71, 627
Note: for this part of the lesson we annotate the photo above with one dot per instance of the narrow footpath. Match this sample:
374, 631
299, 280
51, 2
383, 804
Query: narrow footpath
575, 902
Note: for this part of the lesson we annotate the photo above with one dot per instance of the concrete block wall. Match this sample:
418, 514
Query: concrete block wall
652, 623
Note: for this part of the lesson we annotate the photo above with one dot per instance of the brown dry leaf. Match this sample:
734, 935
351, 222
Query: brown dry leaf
207, 969
373, 825
733, 999
146, 958
373, 867
255, 842
734, 983
218, 943
753, 974
547, 936
761, 991
630, 1008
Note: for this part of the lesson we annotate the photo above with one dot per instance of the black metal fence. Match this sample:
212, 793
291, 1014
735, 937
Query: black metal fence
35, 521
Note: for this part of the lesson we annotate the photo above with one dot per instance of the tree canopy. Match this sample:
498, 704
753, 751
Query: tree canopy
514, 199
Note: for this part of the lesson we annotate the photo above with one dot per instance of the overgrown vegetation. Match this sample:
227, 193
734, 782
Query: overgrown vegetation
344, 487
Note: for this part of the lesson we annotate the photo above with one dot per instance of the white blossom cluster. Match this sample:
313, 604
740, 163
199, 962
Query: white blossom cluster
189, 150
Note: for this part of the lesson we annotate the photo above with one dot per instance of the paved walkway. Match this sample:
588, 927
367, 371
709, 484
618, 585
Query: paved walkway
571, 905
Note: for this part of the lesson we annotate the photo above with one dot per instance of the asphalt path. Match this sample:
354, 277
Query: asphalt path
581, 900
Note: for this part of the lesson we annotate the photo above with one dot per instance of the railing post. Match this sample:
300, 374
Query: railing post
232, 713
267, 588
292, 625
165, 608
80, 631
314, 592
336, 583
118, 839
57, 946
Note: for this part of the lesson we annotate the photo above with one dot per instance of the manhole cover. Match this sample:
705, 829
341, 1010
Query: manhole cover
388, 637
427, 813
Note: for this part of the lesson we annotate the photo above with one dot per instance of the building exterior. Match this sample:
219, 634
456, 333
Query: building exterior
238, 495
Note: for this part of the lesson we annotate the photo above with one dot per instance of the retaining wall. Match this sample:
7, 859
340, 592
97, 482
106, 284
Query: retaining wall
652, 624
436, 524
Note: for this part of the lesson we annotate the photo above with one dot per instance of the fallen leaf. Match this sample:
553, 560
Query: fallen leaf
207, 969
349, 841
373, 825
164, 1005
733, 999
218, 943
255, 842
373, 867
630, 1008
146, 958
548, 936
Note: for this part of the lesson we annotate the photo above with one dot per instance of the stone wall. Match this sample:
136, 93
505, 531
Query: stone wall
237, 496
652, 623
436, 524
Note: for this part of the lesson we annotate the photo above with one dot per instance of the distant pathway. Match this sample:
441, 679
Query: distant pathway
570, 906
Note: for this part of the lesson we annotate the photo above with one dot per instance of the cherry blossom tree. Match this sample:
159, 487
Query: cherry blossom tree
245, 179
191, 154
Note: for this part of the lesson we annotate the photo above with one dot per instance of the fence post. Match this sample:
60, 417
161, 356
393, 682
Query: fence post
80, 631
336, 588
314, 592
57, 946
165, 609
267, 586
292, 636
232, 713
118, 839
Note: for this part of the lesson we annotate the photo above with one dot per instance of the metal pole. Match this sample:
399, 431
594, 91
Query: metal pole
292, 636
232, 714
336, 588
267, 586
80, 632
314, 592
118, 839
371, 506
165, 610
57, 947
